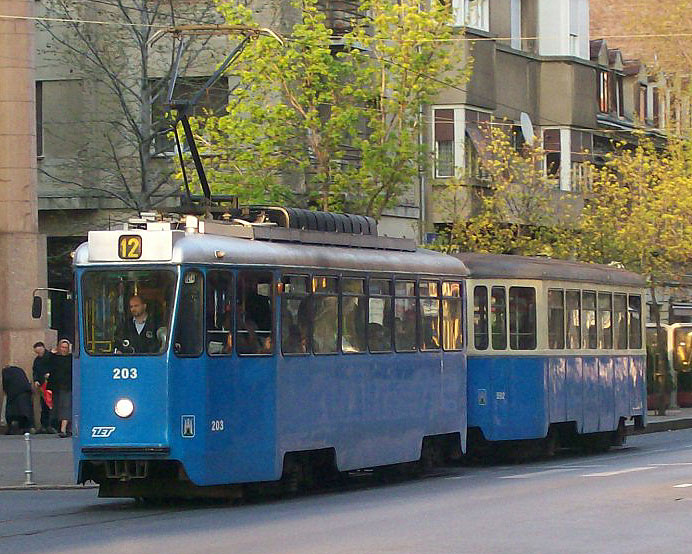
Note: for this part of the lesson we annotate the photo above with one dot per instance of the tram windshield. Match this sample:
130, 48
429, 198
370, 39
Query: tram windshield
127, 312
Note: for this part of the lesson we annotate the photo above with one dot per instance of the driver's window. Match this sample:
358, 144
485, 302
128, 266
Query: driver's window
188, 329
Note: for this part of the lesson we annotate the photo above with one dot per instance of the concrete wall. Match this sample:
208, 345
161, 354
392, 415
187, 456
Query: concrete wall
22, 249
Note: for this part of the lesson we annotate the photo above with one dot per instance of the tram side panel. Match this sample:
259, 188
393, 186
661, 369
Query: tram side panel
240, 421
373, 409
508, 399
515, 398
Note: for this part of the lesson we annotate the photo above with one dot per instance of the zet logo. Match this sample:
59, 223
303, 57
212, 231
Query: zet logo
187, 426
101, 432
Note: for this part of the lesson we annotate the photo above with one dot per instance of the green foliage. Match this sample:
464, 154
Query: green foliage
639, 211
338, 125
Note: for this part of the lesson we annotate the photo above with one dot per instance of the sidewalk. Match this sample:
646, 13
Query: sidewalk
52, 456
51, 461
675, 418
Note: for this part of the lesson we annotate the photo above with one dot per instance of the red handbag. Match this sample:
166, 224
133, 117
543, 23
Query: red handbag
47, 396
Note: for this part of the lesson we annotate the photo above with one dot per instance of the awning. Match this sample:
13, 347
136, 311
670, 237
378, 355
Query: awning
478, 138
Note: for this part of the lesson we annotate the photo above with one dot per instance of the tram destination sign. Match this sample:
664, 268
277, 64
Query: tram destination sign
131, 246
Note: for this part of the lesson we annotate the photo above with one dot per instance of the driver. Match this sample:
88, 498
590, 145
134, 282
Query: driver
137, 334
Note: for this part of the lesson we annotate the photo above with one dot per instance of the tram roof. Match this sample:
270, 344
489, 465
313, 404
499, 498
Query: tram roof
201, 248
483, 266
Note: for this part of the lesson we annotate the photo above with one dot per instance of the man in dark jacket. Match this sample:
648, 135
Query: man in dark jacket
41, 369
137, 334
19, 411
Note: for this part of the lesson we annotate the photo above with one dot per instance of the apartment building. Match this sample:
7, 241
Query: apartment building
533, 61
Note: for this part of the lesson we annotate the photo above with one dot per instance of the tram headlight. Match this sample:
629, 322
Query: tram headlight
124, 407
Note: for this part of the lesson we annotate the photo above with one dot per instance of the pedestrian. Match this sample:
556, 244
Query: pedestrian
41, 370
19, 411
60, 382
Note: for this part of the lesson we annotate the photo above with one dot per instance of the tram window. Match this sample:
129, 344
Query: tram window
219, 313
352, 315
452, 336
325, 325
522, 318
254, 313
109, 322
405, 316
498, 318
380, 315
429, 314
635, 321
190, 320
590, 336
605, 320
573, 304
620, 321
556, 319
295, 315
480, 318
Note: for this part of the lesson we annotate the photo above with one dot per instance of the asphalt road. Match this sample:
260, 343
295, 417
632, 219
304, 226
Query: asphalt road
633, 499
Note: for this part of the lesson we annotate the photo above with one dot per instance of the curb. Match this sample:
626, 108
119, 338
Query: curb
661, 426
46, 487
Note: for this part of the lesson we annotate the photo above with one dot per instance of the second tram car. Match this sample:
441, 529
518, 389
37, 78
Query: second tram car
555, 353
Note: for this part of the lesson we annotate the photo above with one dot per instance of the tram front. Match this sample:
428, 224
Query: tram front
126, 284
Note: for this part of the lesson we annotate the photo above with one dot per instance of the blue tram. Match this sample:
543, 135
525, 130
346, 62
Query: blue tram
212, 353
217, 353
555, 351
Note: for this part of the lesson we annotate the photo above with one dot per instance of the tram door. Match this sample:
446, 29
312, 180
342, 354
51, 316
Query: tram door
240, 376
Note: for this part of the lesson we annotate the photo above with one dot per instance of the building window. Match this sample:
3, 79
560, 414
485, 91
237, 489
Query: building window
515, 16
444, 143
340, 15
472, 13
604, 91
657, 109
643, 111
620, 90
39, 118
553, 152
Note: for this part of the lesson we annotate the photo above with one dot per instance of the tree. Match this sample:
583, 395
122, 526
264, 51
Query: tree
106, 44
639, 213
339, 122
517, 208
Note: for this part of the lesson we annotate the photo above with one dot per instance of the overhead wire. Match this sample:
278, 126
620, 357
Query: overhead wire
449, 39
388, 61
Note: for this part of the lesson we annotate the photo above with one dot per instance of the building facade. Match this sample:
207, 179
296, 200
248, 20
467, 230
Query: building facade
534, 67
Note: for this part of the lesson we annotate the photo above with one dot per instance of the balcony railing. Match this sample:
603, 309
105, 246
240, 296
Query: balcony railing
341, 15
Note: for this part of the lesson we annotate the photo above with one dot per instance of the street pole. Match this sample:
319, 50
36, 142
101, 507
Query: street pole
28, 472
